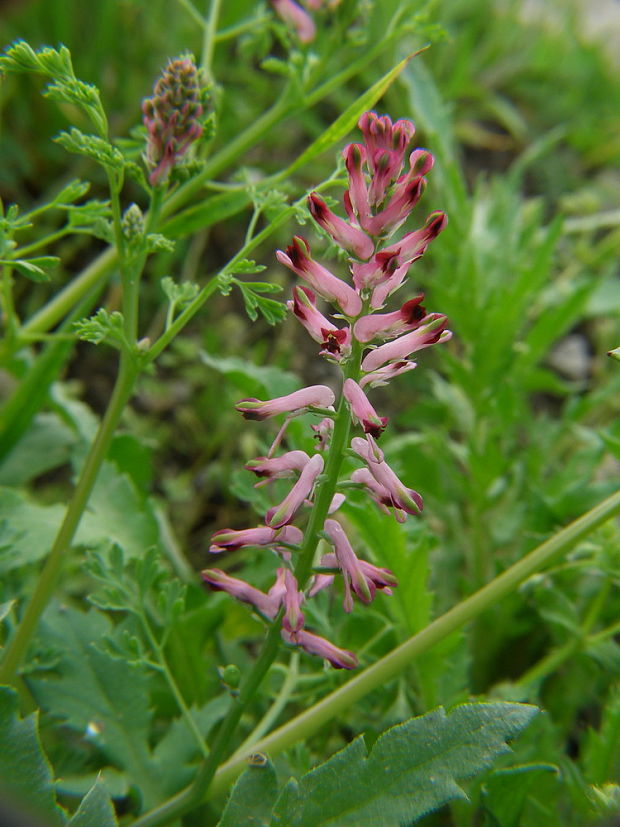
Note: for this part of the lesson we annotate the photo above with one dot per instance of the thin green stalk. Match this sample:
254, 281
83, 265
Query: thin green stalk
162, 664
272, 714
400, 658
208, 41
16, 649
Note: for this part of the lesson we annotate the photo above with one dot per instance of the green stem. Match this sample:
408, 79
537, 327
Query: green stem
272, 714
208, 42
400, 658
48, 579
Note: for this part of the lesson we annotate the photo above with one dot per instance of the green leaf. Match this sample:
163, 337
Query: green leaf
103, 698
95, 809
349, 118
44, 446
507, 793
25, 773
252, 798
412, 769
92, 146
27, 529
245, 265
253, 380
35, 268
206, 213
103, 326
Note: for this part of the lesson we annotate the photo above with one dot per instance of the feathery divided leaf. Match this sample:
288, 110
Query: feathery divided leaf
25, 774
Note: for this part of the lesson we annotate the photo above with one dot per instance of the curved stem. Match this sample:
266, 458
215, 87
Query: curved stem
400, 658
48, 578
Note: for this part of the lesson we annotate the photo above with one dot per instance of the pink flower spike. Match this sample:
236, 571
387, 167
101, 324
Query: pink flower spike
229, 539
276, 467
335, 342
424, 336
315, 645
293, 14
346, 236
293, 620
314, 396
281, 514
389, 325
298, 259
267, 604
382, 376
362, 411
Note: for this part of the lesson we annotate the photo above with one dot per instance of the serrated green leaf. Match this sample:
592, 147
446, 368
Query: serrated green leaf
507, 792
91, 146
412, 769
105, 699
252, 798
95, 809
25, 773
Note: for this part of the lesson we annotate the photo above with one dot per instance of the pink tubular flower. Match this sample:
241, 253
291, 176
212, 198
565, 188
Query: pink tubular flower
228, 539
359, 576
378, 492
314, 396
401, 497
382, 376
323, 432
389, 325
276, 467
293, 620
298, 259
294, 15
356, 200
267, 604
315, 645
281, 514
336, 342
362, 411
172, 117
424, 336
348, 237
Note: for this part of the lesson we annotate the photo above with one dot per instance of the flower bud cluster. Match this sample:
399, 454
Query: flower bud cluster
385, 184
172, 117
